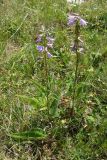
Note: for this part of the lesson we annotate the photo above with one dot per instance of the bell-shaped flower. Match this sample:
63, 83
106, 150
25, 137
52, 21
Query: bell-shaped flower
49, 45
39, 38
83, 22
50, 40
49, 55
40, 48
72, 19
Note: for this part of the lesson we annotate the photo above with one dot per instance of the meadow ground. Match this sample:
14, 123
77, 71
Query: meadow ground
37, 93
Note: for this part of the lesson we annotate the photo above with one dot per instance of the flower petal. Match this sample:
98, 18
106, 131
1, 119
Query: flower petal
49, 55
71, 20
39, 38
50, 45
83, 22
50, 40
40, 48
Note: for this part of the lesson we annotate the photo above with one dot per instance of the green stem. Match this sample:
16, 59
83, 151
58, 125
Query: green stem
46, 79
76, 42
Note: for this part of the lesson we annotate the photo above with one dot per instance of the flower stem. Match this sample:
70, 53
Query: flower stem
46, 80
77, 32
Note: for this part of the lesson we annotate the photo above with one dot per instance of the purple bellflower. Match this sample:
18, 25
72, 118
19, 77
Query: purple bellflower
83, 22
49, 55
50, 40
49, 44
72, 19
40, 48
39, 38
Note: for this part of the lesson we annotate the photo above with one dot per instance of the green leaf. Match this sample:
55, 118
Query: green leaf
54, 106
37, 103
90, 119
37, 134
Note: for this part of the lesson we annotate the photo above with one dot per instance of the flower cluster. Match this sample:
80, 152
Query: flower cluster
49, 44
72, 19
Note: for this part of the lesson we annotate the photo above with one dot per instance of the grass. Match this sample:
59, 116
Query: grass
28, 129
